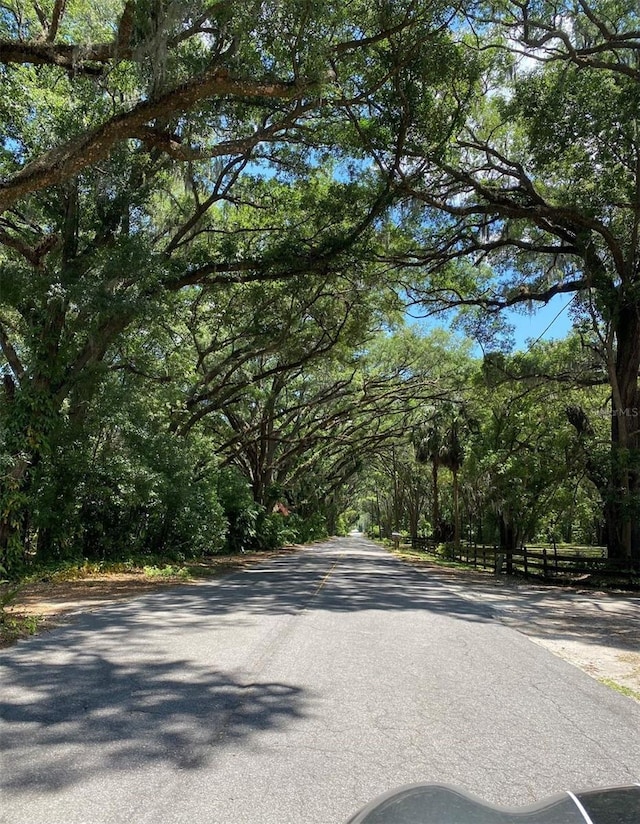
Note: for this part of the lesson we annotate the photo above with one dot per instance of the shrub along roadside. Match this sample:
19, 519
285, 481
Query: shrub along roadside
14, 627
151, 520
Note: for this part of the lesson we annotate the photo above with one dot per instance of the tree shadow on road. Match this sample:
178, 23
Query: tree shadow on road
89, 715
119, 678
320, 581
159, 708
323, 579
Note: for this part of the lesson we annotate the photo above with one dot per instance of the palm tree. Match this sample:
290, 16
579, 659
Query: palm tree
441, 446
428, 446
452, 457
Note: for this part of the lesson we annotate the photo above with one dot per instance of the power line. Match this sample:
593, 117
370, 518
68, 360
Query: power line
542, 334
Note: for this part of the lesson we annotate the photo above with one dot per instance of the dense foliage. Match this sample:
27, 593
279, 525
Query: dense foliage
212, 218
496, 459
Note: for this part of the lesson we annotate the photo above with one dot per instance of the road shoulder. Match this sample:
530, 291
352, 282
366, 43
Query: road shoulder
599, 632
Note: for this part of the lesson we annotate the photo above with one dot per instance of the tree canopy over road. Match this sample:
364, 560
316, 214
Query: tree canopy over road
212, 221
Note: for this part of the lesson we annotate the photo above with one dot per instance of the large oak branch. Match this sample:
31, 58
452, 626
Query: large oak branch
63, 162
451, 298
83, 59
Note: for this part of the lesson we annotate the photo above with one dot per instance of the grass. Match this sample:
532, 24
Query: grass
63, 571
181, 573
416, 556
14, 626
155, 566
630, 693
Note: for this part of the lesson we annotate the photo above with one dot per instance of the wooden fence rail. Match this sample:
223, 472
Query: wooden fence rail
536, 561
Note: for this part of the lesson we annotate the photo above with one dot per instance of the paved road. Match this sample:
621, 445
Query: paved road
597, 631
291, 693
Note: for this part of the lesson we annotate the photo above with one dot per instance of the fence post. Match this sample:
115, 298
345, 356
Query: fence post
545, 572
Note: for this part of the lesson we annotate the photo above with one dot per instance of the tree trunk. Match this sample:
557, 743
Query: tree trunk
331, 514
413, 510
13, 503
622, 507
508, 533
435, 511
456, 510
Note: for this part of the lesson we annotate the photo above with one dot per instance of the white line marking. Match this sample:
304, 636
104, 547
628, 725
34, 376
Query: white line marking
576, 801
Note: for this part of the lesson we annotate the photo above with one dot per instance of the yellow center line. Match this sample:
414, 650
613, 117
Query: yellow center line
327, 576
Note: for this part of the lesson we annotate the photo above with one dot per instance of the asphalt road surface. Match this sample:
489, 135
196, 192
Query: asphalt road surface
292, 693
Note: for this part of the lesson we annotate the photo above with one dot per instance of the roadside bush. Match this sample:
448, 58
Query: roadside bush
446, 551
276, 530
240, 511
309, 529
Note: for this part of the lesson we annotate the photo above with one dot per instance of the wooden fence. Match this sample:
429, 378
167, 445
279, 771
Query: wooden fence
547, 563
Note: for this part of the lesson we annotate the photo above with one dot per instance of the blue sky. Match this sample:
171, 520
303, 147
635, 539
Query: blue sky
549, 322
552, 321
